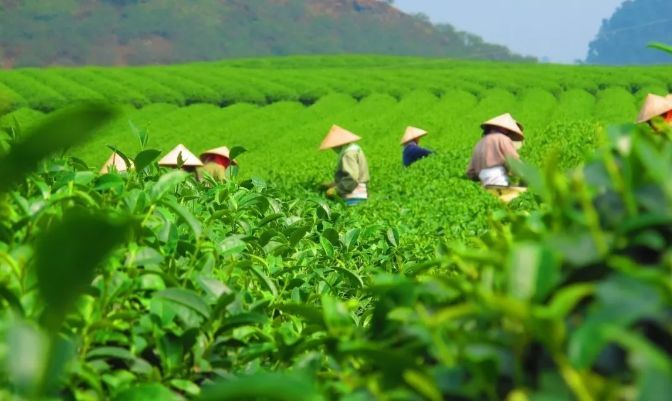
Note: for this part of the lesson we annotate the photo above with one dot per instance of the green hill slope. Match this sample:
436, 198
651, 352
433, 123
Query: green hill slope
306, 79
134, 32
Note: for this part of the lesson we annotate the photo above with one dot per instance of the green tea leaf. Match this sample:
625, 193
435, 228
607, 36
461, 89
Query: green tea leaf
141, 133
188, 218
26, 359
236, 151
423, 384
124, 157
533, 271
148, 392
187, 298
266, 281
269, 386
66, 257
243, 319
145, 158
232, 246
167, 183
661, 46
110, 352
336, 316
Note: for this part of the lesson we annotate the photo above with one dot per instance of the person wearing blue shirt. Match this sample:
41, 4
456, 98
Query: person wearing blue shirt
412, 150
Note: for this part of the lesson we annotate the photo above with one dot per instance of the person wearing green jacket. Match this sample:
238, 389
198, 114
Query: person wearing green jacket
351, 177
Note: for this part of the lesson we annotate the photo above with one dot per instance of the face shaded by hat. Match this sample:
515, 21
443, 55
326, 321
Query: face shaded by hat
180, 151
506, 122
654, 106
411, 134
337, 137
220, 155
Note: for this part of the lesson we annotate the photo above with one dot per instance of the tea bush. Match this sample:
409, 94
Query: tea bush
307, 79
206, 289
151, 285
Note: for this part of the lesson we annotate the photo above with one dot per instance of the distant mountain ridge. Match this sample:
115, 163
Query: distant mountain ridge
138, 32
624, 37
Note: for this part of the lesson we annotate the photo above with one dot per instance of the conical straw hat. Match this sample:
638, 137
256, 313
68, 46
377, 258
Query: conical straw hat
171, 159
221, 151
654, 106
411, 134
338, 136
507, 122
115, 162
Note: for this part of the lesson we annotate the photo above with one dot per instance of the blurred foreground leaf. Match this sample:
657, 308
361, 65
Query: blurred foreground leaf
66, 256
148, 392
57, 132
269, 386
661, 46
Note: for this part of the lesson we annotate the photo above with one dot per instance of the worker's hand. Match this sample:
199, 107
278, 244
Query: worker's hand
327, 185
331, 192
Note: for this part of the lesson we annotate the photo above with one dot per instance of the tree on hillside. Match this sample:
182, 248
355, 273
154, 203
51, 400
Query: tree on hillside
623, 38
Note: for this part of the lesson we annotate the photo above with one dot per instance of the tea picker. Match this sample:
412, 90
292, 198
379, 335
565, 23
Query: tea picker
115, 163
412, 151
351, 177
215, 162
656, 107
181, 157
502, 137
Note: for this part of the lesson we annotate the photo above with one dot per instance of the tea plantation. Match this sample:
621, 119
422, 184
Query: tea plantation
149, 285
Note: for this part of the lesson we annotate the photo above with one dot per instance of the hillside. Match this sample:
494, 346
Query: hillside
624, 37
137, 32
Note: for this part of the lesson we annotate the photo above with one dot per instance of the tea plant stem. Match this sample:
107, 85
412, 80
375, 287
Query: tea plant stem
573, 378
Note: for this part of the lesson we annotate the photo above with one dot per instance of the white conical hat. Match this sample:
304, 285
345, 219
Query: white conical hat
220, 151
171, 159
654, 106
115, 162
669, 97
507, 122
338, 136
411, 134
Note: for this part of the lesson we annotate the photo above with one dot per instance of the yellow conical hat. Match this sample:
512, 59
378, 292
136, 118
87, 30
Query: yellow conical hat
115, 162
171, 159
654, 106
338, 136
411, 134
507, 122
221, 151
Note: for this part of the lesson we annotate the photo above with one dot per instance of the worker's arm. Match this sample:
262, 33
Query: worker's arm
509, 151
422, 152
346, 179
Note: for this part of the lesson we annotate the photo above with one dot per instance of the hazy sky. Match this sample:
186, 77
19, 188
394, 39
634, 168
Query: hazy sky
557, 29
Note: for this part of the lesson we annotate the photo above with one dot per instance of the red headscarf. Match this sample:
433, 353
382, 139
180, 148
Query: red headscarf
221, 160
668, 117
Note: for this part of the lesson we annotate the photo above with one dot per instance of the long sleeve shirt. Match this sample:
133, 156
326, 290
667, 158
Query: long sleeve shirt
491, 151
413, 153
352, 173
